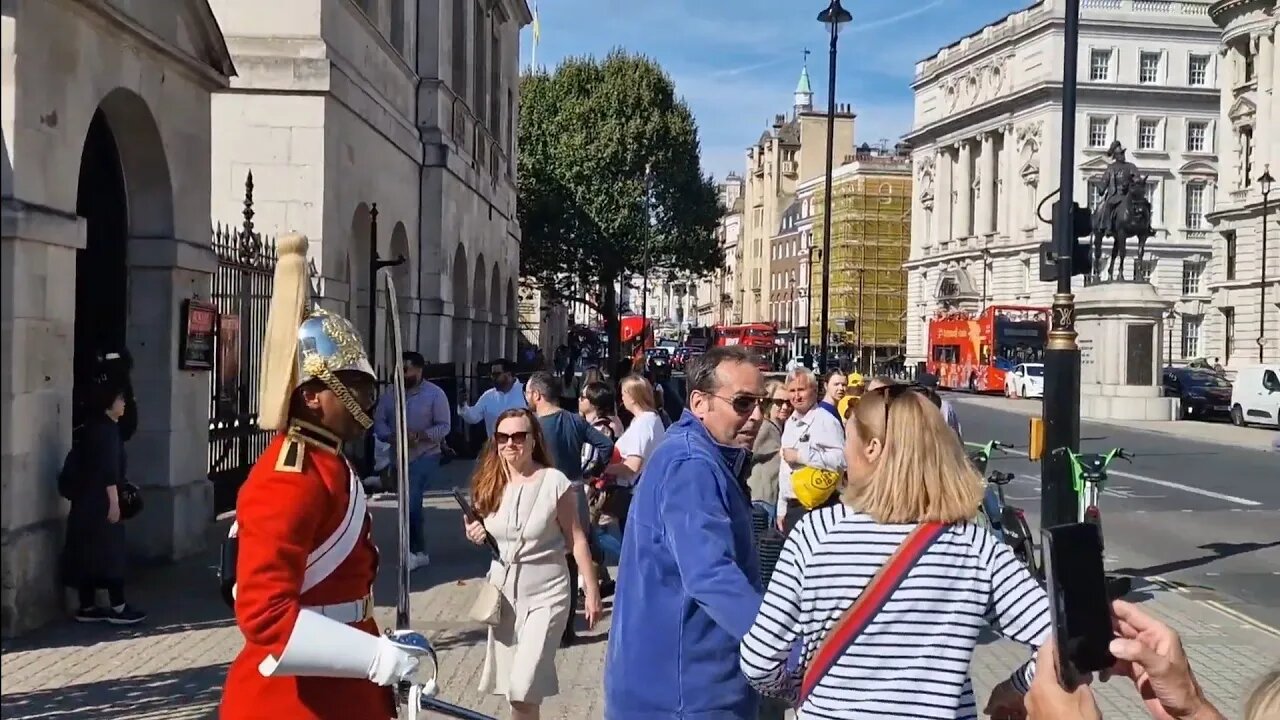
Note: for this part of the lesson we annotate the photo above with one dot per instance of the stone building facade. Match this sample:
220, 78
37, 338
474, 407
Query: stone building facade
1250, 67
104, 108
790, 152
714, 304
406, 105
985, 152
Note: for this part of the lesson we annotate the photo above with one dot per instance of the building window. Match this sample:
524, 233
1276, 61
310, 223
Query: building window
1095, 194
1191, 335
479, 62
1156, 198
1195, 206
1249, 69
1148, 134
1026, 275
1197, 136
1099, 65
397, 27
1149, 67
1099, 132
459, 49
1198, 71
1229, 331
1143, 269
1230, 237
1191, 272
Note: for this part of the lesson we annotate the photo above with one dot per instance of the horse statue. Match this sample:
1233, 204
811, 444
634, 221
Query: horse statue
1130, 219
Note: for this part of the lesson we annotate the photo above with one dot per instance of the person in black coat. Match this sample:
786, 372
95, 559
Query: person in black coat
95, 555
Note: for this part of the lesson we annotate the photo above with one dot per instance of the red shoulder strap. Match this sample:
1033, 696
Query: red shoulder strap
869, 603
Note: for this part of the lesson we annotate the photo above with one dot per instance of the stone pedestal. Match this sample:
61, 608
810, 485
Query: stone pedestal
1120, 325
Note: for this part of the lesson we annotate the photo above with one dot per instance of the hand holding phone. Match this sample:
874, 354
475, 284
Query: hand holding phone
1078, 601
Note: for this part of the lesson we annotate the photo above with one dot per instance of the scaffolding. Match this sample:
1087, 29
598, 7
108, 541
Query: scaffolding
871, 239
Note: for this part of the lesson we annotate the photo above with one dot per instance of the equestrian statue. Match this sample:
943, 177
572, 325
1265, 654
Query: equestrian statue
1123, 212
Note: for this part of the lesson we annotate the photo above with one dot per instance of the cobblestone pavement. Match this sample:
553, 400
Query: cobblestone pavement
173, 668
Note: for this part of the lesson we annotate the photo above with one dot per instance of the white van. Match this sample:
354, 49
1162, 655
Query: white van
1255, 396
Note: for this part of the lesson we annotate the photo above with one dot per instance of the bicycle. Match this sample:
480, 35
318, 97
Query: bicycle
1088, 476
1007, 522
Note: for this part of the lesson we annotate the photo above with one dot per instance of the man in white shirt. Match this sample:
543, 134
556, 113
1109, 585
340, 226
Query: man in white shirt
812, 437
507, 392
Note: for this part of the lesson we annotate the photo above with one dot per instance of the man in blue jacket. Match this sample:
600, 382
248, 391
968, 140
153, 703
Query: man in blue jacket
688, 587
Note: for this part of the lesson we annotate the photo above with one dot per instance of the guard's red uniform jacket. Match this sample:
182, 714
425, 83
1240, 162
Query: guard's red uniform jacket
295, 498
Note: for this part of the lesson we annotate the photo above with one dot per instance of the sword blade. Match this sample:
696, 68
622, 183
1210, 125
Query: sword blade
400, 441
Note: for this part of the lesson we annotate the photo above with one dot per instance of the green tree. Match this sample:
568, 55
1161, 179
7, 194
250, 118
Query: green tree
587, 133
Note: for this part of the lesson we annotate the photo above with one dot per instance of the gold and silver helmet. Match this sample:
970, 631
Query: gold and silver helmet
304, 342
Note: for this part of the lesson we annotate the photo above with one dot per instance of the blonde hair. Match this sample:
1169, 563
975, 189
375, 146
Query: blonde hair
640, 392
772, 387
1264, 702
922, 474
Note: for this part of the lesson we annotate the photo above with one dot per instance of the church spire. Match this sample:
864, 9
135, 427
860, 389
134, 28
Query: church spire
804, 92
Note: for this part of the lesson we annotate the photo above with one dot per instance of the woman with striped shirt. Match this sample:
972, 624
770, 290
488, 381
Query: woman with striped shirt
905, 467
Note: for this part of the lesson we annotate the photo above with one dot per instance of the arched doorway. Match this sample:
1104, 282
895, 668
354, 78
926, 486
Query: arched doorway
495, 315
361, 254
461, 312
480, 308
102, 267
403, 275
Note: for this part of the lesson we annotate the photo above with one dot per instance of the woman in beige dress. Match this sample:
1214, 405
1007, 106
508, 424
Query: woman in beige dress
528, 508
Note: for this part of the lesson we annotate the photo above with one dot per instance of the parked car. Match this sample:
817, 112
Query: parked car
1202, 393
682, 356
1025, 380
1256, 396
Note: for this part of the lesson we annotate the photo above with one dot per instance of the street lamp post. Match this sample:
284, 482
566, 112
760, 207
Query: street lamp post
1264, 183
1169, 316
1062, 354
833, 17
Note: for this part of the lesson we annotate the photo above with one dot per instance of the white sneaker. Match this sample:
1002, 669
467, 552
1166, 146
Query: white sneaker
418, 560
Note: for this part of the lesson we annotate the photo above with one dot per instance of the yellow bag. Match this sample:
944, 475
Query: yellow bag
813, 486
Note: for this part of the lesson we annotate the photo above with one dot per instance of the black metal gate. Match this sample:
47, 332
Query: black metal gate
242, 292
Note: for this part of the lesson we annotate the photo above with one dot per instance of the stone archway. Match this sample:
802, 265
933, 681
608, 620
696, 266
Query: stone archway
402, 275
480, 312
102, 268
361, 252
125, 195
512, 320
461, 350
495, 314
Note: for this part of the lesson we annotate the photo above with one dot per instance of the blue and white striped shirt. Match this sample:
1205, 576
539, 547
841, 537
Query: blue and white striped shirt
912, 661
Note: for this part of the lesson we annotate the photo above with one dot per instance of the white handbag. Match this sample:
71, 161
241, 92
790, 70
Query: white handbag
489, 603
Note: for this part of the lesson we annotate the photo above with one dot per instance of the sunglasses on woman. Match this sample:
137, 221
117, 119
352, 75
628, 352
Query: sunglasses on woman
893, 392
518, 437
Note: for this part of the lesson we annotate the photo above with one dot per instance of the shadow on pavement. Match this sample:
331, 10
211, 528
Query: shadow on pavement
1218, 551
178, 695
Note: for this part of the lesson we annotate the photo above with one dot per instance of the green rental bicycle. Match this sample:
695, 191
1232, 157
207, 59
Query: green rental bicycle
1088, 477
1007, 522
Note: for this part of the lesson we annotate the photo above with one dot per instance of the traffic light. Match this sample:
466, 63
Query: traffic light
1081, 253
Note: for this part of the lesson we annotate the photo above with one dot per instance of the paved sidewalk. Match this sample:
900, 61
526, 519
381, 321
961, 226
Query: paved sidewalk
173, 669
1217, 433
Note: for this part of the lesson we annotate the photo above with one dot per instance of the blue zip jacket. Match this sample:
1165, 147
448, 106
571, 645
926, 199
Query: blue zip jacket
688, 587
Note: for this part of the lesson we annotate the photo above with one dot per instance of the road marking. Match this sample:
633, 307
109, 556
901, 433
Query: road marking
1172, 485
1176, 587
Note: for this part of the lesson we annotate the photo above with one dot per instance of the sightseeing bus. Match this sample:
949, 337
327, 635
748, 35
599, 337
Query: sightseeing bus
975, 352
636, 335
760, 337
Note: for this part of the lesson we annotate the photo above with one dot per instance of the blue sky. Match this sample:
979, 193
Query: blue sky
736, 62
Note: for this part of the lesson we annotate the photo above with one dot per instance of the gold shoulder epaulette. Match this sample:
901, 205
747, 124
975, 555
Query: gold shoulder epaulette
291, 455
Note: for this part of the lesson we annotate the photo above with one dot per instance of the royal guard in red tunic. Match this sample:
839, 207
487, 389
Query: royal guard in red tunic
304, 559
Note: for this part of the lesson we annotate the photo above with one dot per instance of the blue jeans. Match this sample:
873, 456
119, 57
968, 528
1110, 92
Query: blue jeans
421, 471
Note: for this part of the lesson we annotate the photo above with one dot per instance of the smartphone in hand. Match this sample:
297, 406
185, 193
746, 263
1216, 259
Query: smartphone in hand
1078, 601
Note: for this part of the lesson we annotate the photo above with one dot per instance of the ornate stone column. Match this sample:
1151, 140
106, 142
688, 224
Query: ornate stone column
963, 226
944, 198
1009, 182
985, 198
1263, 129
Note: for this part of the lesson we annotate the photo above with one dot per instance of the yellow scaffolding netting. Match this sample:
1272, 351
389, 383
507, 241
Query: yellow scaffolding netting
870, 240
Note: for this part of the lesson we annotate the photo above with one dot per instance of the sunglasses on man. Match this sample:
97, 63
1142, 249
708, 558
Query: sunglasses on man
744, 404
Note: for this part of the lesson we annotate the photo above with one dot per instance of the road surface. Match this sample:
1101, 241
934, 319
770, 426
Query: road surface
1206, 516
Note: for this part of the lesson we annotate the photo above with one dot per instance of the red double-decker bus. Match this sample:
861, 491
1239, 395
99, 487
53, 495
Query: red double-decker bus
975, 352
636, 336
760, 337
